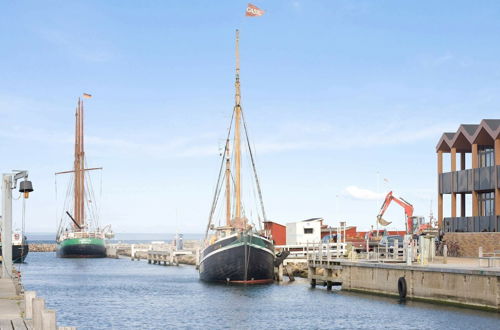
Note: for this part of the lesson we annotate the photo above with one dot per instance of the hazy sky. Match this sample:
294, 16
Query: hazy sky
333, 91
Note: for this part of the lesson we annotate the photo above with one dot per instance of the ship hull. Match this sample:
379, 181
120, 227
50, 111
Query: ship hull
242, 260
81, 248
19, 253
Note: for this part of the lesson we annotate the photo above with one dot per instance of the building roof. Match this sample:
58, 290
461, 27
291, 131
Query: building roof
312, 219
485, 134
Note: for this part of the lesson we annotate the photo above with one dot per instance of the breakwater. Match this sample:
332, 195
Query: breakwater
39, 247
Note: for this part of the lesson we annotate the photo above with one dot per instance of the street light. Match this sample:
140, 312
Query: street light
9, 183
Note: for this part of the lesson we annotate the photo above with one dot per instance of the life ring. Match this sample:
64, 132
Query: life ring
402, 287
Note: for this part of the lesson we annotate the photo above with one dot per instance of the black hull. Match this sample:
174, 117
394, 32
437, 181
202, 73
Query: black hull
81, 251
19, 253
228, 265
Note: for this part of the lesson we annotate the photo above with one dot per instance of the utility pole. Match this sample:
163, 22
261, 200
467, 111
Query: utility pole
7, 226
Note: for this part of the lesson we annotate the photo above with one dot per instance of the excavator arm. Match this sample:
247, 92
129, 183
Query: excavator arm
408, 208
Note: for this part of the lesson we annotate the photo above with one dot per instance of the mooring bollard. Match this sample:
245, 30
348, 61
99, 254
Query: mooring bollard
49, 320
38, 307
28, 303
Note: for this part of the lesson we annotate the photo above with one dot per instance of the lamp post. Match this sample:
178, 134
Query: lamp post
9, 182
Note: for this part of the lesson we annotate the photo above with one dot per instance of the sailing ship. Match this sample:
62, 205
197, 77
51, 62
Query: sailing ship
20, 247
79, 235
235, 251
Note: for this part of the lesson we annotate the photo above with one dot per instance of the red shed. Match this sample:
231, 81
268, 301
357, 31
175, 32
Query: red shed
277, 231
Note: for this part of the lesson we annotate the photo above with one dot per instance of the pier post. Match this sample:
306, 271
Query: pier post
311, 272
28, 303
409, 254
49, 320
329, 275
367, 248
38, 307
445, 254
280, 272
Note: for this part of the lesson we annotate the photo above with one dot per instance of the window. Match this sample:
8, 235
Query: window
486, 156
308, 230
486, 203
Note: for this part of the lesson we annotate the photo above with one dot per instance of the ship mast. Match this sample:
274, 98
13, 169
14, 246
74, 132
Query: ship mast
237, 137
79, 184
228, 186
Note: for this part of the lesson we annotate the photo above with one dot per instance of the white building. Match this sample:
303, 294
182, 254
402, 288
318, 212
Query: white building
303, 232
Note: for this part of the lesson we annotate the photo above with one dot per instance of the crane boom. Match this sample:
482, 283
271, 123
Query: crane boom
408, 208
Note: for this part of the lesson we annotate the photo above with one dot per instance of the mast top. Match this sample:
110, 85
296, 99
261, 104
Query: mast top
237, 83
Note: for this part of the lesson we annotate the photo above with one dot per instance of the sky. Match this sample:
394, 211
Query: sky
338, 96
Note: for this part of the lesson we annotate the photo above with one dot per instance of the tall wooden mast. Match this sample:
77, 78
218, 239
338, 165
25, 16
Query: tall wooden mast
79, 184
237, 137
228, 186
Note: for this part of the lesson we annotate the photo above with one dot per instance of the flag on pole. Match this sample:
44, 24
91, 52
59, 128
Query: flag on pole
253, 11
87, 96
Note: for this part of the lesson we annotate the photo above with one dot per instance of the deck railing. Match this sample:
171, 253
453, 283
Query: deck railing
336, 251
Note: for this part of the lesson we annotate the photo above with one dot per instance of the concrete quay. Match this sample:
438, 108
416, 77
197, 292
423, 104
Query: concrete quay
463, 282
10, 303
21, 309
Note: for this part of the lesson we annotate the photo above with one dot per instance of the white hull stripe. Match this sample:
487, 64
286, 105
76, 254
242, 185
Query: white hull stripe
233, 246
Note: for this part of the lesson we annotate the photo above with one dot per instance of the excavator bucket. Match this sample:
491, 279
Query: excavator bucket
384, 222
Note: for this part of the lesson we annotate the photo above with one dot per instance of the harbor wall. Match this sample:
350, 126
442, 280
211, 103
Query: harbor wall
35, 247
469, 243
473, 288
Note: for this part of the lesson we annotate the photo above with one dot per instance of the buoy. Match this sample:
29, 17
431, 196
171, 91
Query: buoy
402, 287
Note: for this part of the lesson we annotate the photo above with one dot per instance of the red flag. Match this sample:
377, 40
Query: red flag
253, 11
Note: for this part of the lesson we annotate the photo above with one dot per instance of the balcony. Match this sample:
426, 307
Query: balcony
466, 181
471, 224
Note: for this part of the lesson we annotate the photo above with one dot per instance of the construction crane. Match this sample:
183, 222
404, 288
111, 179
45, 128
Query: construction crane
404, 204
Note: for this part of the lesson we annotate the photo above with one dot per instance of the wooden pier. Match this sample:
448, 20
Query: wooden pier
168, 258
161, 254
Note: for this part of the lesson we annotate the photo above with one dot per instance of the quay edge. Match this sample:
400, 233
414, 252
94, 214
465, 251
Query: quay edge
471, 288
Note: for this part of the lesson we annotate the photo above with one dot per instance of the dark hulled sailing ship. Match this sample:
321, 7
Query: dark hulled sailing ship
235, 251
20, 247
79, 235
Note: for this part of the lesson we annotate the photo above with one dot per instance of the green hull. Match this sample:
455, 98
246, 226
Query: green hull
81, 248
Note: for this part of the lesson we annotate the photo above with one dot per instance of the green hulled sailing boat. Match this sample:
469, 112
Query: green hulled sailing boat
79, 234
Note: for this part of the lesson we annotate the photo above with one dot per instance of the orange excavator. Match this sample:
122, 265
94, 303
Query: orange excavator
404, 204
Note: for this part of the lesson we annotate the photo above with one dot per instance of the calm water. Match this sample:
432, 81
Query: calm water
120, 294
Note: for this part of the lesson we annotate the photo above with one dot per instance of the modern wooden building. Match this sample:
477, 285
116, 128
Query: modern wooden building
477, 175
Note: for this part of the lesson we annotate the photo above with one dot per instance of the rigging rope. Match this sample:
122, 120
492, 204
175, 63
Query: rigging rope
218, 186
253, 165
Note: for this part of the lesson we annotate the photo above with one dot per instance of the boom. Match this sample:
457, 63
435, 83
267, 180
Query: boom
408, 208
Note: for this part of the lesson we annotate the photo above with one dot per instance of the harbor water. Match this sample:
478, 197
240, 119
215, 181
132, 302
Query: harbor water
121, 294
